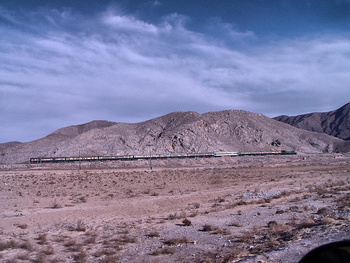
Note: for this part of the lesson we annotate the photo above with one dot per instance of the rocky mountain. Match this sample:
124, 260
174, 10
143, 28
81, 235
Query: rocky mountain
178, 132
335, 123
3, 146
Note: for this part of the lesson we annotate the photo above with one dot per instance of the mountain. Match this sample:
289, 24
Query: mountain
335, 123
6, 145
178, 132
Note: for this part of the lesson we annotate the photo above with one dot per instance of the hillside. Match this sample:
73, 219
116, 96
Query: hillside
6, 145
335, 123
178, 132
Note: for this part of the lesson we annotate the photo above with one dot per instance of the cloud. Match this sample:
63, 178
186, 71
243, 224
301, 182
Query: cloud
115, 66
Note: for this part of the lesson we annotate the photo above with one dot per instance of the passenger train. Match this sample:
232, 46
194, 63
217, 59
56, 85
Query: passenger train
152, 156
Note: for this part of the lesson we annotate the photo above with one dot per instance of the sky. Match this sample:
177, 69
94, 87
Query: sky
66, 62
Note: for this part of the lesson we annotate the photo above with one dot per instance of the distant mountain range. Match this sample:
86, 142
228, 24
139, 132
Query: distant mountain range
178, 132
335, 123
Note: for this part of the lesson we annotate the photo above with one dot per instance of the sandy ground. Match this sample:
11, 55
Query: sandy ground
237, 209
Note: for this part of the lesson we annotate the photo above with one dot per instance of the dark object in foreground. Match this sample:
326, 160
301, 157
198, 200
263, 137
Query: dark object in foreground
337, 252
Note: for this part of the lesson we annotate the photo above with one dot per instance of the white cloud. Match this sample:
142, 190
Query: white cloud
120, 68
129, 24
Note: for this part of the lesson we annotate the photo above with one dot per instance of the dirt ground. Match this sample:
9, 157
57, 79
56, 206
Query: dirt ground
234, 209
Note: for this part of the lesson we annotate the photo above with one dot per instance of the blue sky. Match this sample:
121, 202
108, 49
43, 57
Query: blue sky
70, 62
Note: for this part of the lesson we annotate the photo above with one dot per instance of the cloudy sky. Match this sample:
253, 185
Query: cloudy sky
66, 62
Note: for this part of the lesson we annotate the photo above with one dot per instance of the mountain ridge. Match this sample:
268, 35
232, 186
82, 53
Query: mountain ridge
177, 132
335, 123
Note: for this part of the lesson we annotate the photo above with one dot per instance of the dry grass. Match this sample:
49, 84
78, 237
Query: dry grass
91, 238
42, 239
12, 244
177, 241
108, 237
48, 250
55, 205
207, 228
79, 227
153, 234
235, 224
164, 251
306, 223
21, 226
175, 216
80, 257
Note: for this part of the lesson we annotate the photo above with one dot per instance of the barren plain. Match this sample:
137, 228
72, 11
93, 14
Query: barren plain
233, 209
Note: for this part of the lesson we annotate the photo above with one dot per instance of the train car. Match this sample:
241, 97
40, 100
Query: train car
225, 154
284, 152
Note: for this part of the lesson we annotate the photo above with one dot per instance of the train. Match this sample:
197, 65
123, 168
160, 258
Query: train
153, 156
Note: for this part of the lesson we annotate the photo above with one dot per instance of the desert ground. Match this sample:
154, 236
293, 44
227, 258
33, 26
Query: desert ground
233, 209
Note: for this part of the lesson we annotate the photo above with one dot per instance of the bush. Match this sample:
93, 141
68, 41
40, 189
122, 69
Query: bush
186, 222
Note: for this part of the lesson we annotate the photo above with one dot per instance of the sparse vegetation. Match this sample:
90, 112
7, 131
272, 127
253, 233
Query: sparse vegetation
42, 238
163, 251
153, 234
207, 228
177, 241
55, 205
249, 215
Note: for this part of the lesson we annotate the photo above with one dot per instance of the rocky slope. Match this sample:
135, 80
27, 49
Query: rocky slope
335, 123
6, 145
178, 132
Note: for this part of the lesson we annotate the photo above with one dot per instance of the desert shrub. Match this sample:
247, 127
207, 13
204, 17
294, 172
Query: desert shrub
163, 251
80, 257
323, 211
42, 238
59, 239
172, 216
55, 205
48, 250
110, 259
82, 199
221, 231
21, 226
306, 223
279, 211
128, 239
329, 221
70, 243
207, 228
26, 245
40, 258
196, 205
8, 244
153, 234
235, 224
294, 208
246, 237
175, 216
186, 222
80, 227
241, 202
104, 252
24, 257
193, 214
90, 238
271, 224
176, 241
